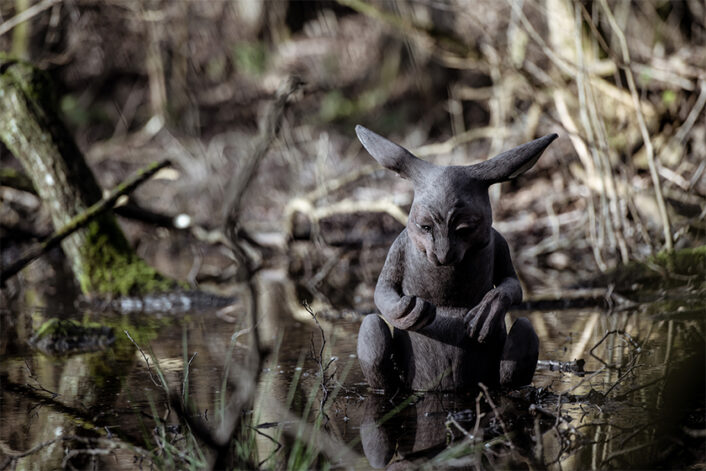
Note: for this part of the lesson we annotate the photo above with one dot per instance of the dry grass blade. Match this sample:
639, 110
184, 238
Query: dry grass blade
668, 239
26, 15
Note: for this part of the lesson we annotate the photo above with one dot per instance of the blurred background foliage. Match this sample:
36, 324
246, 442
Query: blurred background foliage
623, 83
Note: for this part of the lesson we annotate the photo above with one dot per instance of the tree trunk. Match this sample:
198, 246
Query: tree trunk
101, 258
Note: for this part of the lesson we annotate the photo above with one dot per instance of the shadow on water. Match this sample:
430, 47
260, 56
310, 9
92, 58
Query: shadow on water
637, 400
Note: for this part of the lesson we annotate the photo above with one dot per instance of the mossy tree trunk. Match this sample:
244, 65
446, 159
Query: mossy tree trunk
101, 258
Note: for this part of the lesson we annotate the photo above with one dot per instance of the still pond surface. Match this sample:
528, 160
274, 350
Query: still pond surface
636, 403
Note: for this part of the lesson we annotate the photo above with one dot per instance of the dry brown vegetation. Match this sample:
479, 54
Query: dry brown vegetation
623, 83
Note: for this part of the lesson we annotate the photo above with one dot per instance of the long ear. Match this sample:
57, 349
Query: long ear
393, 156
512, 163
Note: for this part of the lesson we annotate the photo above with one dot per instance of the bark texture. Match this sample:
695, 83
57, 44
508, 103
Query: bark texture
100, 256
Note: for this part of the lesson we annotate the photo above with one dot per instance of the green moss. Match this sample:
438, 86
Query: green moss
112, 268
66, 327
684, 268
250, 58
690, 261
683, 308
668, 97
73, 111
334, 105
35, 83
61, 337
49, 327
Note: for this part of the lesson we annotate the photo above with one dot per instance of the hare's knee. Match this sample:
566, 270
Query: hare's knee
375, 353
520, 355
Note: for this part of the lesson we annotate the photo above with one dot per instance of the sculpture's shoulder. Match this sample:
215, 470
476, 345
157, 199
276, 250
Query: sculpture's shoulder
402, 239
500, 250
399, 246
497, 239
394, 268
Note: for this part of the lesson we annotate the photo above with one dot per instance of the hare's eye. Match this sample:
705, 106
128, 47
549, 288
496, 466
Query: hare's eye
464, 229
424, 227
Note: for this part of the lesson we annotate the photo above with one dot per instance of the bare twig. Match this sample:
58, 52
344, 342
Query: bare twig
326, 377
446, 147
452, 420
185, 383
498, 415
26, 15
479, 415
274, 452
625, 335
694, 114
39, 386
595, 130
269, 128
452, 50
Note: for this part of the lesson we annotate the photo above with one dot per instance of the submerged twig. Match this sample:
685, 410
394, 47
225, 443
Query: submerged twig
39, 387
107, 446
319, 358
498, 415
89, 419
625, 335
144, 357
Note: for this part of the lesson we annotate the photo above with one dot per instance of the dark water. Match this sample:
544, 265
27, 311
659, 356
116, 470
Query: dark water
639, 406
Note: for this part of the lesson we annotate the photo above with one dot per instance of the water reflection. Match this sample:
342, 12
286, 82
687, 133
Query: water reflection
638, 404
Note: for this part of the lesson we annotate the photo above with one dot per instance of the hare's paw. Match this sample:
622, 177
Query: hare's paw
482, 320
419, 314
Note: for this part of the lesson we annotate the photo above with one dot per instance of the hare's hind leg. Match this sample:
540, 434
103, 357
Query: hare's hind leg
375, 349
520, 355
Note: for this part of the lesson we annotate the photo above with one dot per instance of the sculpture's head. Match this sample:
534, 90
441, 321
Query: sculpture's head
450, 213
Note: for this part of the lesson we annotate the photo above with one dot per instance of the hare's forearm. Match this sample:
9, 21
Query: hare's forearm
511, 288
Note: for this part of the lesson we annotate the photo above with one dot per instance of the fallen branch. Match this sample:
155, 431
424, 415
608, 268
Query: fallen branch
99, 446
82, 219
49, 399
450, 49
269, 129
346, 206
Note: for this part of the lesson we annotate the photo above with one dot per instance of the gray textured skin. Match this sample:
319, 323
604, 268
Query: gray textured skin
448, 281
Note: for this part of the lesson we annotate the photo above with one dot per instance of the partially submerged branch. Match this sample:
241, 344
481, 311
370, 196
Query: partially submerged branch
82, 219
